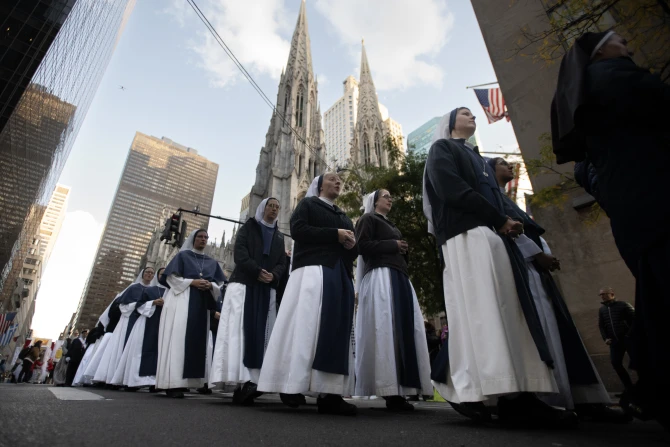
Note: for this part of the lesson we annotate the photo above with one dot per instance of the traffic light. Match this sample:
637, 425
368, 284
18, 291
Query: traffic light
166, 235
174, 224
181, 235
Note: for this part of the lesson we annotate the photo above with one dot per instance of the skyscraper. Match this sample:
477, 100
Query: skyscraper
419, 140
53, 54
288, 162
157, 173
340, 121
53, 220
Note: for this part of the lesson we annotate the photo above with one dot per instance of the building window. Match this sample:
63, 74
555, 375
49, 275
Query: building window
378, 149
287, 98
300, 165
366, 150
300, 102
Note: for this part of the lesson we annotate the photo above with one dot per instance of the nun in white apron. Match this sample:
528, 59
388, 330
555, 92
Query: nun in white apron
249, 307
109, 320
392, 358
91, 346
137, 366
310, 347
580, 386
184, 353
496, 346
126, 303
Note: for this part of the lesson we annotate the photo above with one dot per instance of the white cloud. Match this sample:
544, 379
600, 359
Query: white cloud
402, 38
323, 79
252, 29
65, 276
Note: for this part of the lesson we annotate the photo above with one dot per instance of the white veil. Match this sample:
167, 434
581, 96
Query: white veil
260, 212
441, 132
104, 318
188, 243
368, 207
313, 190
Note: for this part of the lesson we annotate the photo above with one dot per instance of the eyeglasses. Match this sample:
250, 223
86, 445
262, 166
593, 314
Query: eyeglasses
387, 197
505, 163
272, 206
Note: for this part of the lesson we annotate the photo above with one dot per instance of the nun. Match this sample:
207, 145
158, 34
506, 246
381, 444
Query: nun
392, 358
496, 347
109, 320
611, 112
126, 303
310, 346
194, 280
137, 367
249, 307
91, 346
579, 384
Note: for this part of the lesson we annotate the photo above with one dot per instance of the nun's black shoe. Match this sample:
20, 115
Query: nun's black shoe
175, 393
527, 411
476, 411
334, 404
245, 395
152, 389
602, 413
132, 389
292, 400
204, 390
398, 404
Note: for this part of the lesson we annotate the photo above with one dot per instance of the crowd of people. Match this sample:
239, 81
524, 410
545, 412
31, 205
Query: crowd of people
300, 323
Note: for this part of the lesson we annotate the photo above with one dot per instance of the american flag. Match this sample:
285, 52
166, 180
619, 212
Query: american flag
5, 320
493, 103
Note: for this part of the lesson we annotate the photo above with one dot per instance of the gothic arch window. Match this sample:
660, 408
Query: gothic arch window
378, 149
287, 99
366, 150
300, 163
300, 105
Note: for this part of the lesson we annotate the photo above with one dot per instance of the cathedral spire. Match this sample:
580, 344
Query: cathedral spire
300, 56
367, 145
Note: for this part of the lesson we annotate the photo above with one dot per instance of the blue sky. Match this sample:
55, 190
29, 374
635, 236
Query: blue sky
422, 53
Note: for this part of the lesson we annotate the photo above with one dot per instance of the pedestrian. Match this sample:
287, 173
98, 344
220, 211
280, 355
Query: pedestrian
496, 345
30, 358
392, 359
137, 366
310, 347
432, 341
615, 321
599, 88
249, 307
74, 356
194, 280
60, 370
580, 386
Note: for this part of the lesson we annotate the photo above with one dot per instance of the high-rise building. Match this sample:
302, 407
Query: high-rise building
340, 122
53, 54
53, 220
372, 127
158, 173
288, 162
419, 140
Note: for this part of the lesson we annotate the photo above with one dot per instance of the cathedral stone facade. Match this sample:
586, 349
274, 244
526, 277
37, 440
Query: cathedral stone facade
294, 151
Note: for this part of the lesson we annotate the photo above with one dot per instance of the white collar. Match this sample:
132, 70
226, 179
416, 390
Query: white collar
327, 201
263, 222
200, 252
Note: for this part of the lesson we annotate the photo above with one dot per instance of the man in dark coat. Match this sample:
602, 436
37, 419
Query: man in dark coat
610, 110
615, 320
74, 356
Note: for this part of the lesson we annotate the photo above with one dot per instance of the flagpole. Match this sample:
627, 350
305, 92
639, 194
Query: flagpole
482, 85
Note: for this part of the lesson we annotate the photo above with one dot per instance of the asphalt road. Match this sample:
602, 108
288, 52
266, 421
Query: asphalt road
40, 415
